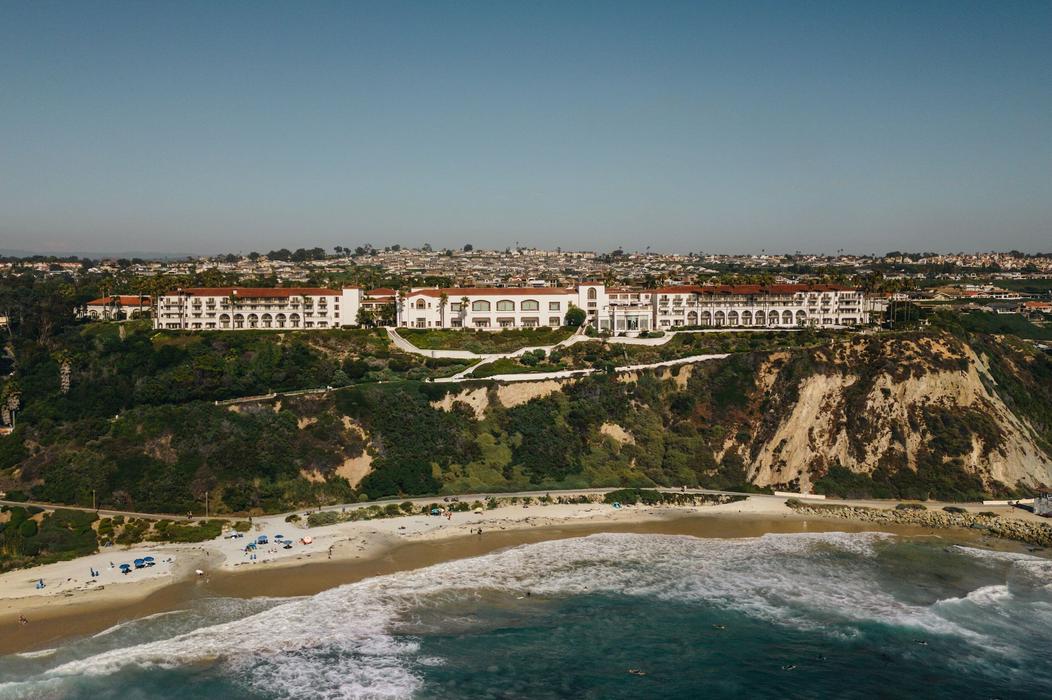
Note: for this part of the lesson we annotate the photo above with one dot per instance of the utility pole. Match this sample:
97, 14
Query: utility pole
93, 506
206, 504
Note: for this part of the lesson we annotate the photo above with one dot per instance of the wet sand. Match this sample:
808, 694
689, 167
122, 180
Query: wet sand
51, 624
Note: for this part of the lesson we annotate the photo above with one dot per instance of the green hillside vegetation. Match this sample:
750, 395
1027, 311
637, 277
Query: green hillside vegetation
110, 373
984, 322
28, 536
141, 428
484, 342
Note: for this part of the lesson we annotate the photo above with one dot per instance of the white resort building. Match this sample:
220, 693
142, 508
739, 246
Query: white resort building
243, 308
116, 307
497, 307
615, 310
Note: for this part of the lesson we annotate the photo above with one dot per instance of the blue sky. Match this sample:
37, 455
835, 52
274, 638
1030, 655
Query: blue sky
736, 126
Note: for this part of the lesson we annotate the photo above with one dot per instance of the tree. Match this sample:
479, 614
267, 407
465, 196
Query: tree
443, 300
366, 317
468, 248
575, 316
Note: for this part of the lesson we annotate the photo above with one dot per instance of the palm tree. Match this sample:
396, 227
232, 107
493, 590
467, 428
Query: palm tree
443, 299
464, 311
403, 294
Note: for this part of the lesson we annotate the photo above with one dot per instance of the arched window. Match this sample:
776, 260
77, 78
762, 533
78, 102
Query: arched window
591, 293
772, 318
706, 318
787, 318
529, 305
732, 318
253, 321
719, 318
266, 320
294, 320
746, 318
421, 304
801, 318
480, 306
505, 305
224, 320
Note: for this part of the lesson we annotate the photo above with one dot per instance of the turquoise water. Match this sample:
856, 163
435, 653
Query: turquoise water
799, 616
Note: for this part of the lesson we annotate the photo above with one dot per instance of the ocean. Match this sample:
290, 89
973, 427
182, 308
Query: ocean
829, 615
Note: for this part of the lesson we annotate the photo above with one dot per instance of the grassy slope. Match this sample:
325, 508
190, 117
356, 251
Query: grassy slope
483, 342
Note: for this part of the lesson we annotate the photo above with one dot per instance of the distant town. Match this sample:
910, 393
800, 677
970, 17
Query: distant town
465, 287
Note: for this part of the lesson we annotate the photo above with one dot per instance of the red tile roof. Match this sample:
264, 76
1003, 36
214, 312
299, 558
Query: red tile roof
258, 292
122, 299
457, 292
753, 289
381, 292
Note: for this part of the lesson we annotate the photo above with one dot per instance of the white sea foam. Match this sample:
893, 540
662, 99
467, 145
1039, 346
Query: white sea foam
342, 643
121, 625
36, 654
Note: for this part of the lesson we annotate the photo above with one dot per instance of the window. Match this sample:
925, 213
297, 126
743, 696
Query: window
480, 306
505, 305
553, 306
530, 305
553, 321
421, 304
591, 293
455, 306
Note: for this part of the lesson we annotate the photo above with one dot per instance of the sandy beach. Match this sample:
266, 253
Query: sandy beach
74, 603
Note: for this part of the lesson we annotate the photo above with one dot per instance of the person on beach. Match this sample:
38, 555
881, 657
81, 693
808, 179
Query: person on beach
22, 620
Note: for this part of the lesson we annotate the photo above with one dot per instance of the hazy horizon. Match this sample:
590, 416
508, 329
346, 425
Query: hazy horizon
202, 128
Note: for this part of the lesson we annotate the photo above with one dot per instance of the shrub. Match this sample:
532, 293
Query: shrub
242, 526
28, 528
325, 517
954, 509
911, 506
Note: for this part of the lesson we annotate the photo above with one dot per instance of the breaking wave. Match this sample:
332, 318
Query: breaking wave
351, 641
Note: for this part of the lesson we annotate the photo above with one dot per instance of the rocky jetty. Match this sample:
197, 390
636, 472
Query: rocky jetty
1028, 531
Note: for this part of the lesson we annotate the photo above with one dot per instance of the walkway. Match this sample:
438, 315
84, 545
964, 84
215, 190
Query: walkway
568, 373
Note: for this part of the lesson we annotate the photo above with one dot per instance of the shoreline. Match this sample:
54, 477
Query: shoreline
365, 549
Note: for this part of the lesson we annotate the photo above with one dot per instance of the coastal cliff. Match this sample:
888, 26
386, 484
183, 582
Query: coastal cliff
912, 415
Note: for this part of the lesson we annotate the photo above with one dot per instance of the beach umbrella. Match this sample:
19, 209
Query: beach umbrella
139, 563
279, 537
147, 559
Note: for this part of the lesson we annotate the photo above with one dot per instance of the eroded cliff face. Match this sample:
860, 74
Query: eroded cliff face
874, 405
892, 402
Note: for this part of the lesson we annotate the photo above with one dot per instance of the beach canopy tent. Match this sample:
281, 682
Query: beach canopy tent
262, 539
140, 563
125, 568
149, 561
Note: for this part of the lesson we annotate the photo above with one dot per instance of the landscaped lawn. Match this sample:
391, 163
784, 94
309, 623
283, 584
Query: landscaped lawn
507, 365
484, 341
